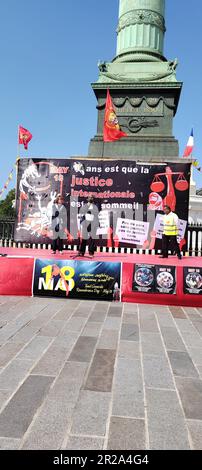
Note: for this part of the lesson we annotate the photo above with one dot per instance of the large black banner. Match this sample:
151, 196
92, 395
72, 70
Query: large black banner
129, 197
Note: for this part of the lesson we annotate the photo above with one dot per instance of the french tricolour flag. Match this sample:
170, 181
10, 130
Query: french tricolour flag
190, 145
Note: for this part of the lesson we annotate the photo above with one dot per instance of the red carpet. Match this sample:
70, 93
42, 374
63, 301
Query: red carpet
123, 258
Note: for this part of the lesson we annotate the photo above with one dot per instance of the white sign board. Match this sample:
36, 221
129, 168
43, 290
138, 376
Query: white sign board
132, 231
103, 222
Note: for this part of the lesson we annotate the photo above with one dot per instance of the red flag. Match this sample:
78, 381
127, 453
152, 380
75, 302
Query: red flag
111, 129
24, 137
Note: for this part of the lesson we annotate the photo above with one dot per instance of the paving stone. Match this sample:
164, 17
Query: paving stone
92, 329
131, 318
194, 316
64, 314
57, 353
10, 299
83, 310
190, 391
71, 303
196, 355
130, 332
10, 315
45, 316
68, 383
115, 311
182, 364
128, 398
52, 328
191, 311
152, 344
148, 322
9, 444
195, 429
36, 348
126, 433
90, 304
198, 326
37, 323
108, 339
129, 349
172, 339
192, 339
75, 324
8, 331
184, 325
165, 319
14, 373
144, 309
112, 323
100, 374
199, 368
97, 316
157, 372
101, 306
161, 310
18, 414
177, 312
8, 352
81, 313
199, 310
91, 413
54, 418
166, 424
83, 349
130, 308
4, 395
84, 443
24, 335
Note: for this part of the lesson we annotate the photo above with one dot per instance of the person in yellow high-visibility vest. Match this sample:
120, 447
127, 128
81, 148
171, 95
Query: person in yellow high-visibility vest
170, 232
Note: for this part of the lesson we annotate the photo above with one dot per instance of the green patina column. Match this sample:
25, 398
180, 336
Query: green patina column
141, 30
142, 84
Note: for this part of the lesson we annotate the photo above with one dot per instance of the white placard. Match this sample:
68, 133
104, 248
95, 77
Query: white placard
132, 231
103, 222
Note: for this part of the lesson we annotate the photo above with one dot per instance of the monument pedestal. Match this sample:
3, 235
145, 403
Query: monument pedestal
145, 112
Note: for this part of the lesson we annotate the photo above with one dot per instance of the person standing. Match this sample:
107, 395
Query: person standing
59, 219
170, 232
89, 223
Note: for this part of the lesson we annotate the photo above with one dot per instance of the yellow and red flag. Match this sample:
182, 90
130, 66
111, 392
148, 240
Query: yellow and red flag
111, 130
24, 137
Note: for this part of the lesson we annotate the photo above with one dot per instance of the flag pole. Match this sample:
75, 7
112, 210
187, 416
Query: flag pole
18, 145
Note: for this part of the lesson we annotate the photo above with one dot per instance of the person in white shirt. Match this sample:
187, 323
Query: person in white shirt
170, 232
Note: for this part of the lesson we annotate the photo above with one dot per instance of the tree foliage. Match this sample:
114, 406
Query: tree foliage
6, 209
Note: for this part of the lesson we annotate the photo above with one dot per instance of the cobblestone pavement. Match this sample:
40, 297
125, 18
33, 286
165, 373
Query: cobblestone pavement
95, 375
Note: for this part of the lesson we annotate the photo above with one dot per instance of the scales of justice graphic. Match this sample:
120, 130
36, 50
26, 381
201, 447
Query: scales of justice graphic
158, 186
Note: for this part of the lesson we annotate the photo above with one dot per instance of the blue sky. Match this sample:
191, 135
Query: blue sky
49, 51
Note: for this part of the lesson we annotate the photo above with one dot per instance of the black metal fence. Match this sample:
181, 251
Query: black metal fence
194, 238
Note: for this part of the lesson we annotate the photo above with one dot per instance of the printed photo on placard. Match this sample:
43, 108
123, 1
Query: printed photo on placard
192, 280
165, 278
144, 278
